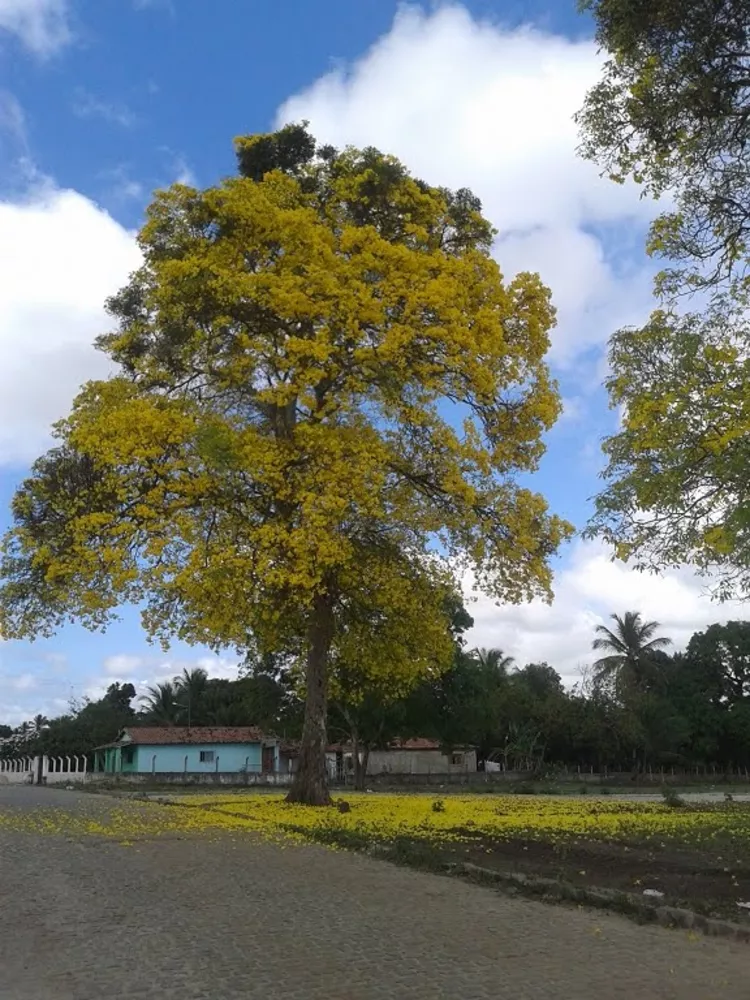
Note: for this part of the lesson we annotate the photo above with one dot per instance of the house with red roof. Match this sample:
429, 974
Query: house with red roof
189, 750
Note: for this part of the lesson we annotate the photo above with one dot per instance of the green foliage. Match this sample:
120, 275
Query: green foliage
629, 664
89, 725
678, 468
672, 798
671, 111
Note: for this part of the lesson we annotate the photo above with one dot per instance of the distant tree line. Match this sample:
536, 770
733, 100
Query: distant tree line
638, 706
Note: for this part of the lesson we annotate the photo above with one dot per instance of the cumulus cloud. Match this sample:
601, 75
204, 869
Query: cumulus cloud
41, 25
122, 664
587, 591
466, 102
22, 682
144, 671
60, 257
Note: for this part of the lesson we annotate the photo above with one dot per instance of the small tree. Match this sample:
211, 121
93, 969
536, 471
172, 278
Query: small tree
275, 447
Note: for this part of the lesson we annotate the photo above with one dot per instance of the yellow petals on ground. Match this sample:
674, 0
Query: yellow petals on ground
384, 818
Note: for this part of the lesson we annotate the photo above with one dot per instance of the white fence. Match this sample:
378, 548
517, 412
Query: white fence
45, 771
60, 770
18, 771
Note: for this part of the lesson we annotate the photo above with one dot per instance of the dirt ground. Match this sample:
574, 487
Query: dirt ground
711, 883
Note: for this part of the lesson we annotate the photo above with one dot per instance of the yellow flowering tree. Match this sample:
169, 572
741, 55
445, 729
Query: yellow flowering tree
321, 379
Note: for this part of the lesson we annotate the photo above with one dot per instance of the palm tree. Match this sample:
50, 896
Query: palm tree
160, 702
493, 659
190, 686
38, 724
629, 647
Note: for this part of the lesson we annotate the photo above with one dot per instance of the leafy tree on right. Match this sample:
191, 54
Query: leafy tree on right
672, 111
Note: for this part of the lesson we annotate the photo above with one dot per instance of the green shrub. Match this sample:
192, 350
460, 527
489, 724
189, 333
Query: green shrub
672, 798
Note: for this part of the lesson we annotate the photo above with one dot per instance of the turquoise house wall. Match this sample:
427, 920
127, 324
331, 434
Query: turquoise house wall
231, 756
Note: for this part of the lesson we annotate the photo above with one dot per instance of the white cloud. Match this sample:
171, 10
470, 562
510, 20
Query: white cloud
23, 682
587, 592
123, 187
41, 25
144, 671
122, 664
12, 120
88, 105
60, 257
184, 172
574, 409
471, 103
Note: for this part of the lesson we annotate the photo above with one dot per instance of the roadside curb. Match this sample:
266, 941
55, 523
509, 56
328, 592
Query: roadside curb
622, 902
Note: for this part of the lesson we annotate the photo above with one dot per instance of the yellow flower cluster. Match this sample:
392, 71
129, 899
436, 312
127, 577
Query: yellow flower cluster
383, 818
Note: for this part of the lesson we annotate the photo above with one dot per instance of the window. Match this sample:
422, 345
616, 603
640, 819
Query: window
207, 756
128, 756
457, 759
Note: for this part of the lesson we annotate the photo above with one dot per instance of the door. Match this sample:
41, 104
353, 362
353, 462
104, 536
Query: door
268, 759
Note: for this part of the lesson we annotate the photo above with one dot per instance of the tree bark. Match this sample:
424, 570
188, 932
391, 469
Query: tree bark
360, 764
365, 761
310, 784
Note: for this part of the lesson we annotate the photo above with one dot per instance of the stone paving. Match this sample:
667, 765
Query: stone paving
214, 918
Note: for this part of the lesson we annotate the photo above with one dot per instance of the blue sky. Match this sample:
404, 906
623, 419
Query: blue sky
101, 101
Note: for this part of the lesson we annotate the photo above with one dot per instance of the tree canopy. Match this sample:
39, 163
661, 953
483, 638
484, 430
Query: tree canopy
672, 111
321, 376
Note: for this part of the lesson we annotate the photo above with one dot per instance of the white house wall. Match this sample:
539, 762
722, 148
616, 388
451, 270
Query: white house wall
419, 762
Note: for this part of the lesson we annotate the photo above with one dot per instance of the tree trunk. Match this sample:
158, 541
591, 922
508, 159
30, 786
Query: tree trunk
360, 765
310, 784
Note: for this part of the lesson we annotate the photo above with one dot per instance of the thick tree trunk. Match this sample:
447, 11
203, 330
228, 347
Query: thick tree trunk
360, 764
310, 784
363, 769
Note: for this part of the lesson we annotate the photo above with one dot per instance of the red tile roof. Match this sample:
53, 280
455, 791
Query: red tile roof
165, 735
417, 743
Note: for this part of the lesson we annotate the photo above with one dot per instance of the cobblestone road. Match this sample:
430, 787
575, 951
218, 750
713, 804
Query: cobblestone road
216, 919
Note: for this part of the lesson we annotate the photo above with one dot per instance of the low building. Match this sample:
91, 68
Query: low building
188, 750
421, 756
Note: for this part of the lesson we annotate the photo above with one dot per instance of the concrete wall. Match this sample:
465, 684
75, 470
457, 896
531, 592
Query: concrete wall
52, 770
19, 771
178, 759
199, 778
64, 770
421, 762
